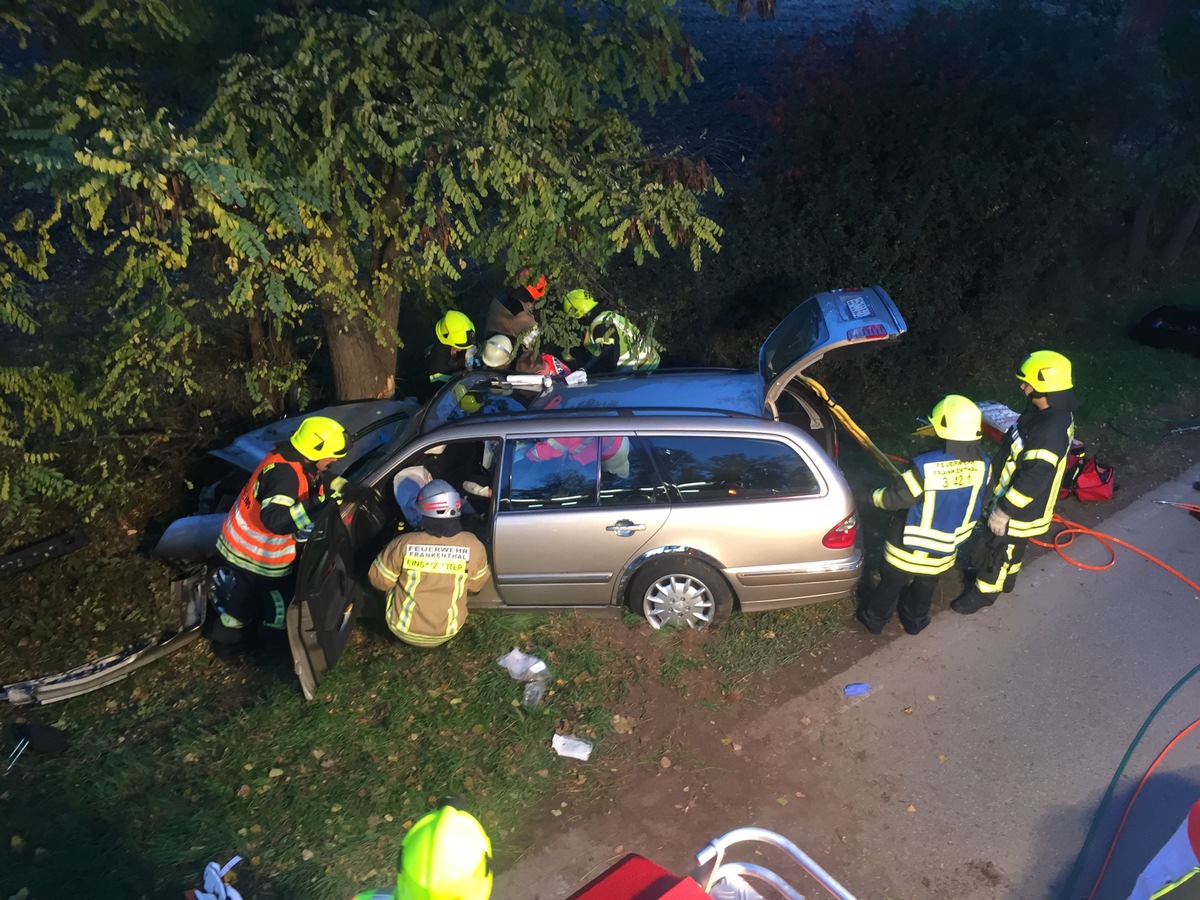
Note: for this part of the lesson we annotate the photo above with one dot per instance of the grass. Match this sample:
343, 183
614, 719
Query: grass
188, 761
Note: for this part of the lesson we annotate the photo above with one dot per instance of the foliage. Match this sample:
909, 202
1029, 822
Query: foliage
954, 159
343, 160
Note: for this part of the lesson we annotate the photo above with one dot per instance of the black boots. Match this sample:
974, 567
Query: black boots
971, 601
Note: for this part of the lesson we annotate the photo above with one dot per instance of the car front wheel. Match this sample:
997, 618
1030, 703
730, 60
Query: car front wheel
679, 591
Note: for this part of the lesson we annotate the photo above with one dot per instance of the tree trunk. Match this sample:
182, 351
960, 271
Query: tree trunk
363, 367
1180, 236
1139, 235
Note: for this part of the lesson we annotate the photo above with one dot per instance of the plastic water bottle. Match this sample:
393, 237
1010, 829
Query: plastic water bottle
536, 678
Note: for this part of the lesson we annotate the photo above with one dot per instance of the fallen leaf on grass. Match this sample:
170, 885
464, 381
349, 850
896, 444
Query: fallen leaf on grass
782, 801
244, 790
624, 724
556, 812
908, 710
17, 843
665, 762
941, 757
932, 697
306, 854
373, 821
911, 808
275, 773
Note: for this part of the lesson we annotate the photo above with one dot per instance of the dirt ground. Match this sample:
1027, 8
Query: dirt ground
682, 747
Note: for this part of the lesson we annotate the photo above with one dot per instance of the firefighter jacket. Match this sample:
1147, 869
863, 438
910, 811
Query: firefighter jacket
445, 361
939, 499
278, 503
512, 314
1175, 868
611, 334
613, 451
427, 579
1029, 467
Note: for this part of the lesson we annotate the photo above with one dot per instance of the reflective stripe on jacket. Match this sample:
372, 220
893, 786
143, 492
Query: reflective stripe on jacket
245, 541
1172, 873
944, 496
1031, 463
634, 349
427, 579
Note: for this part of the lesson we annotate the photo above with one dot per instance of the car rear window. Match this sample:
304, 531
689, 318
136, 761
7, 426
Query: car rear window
708, 469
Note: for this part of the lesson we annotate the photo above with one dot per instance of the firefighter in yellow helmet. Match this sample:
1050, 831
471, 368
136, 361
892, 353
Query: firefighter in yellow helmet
1027, 471
611, 340
455, 347
446, 855
937, 502
258, 544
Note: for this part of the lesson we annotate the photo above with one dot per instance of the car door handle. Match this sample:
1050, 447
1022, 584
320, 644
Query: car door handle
624, 527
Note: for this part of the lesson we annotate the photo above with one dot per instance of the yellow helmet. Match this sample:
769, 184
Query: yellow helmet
455, 330
578, 303
955, 418
320, 437
469, 401
1046, 372
445, 856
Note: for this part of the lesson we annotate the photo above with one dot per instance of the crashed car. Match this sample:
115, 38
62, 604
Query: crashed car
719, 491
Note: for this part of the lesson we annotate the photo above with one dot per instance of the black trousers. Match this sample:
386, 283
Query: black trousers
246, 606
899, 593
997, 561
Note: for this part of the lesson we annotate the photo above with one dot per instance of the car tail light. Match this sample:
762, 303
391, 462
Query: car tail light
843, 534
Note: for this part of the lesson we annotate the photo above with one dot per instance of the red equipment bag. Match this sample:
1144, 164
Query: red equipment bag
1085, 479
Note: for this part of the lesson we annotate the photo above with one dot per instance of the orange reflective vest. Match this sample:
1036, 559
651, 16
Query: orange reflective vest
245, 541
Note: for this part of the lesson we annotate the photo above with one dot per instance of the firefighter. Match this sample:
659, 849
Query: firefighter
455, 347
446, 855
258, 542
512, 312
545, 364
1027, 471
428, 573
612, 341
938, 501
613, 451
496, 353
1171, 872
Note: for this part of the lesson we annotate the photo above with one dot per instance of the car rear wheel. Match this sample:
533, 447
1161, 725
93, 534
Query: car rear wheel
680, 592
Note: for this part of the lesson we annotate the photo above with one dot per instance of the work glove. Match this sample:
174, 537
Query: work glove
343, 489
998, 522
479, 490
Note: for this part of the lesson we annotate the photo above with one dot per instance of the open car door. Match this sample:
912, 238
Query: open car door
832, 323
321, 616
835, 323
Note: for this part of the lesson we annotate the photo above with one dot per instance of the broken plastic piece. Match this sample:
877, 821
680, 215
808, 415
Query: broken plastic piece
856, 689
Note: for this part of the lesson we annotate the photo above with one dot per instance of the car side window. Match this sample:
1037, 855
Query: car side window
709, 469
550, 473
627, 476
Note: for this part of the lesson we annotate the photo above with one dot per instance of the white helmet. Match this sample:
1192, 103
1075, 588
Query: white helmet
439, 500
497, 351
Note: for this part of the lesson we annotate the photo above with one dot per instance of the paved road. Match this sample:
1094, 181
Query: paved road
976, 763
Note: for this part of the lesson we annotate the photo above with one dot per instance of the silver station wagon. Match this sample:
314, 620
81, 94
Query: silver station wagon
685, 495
